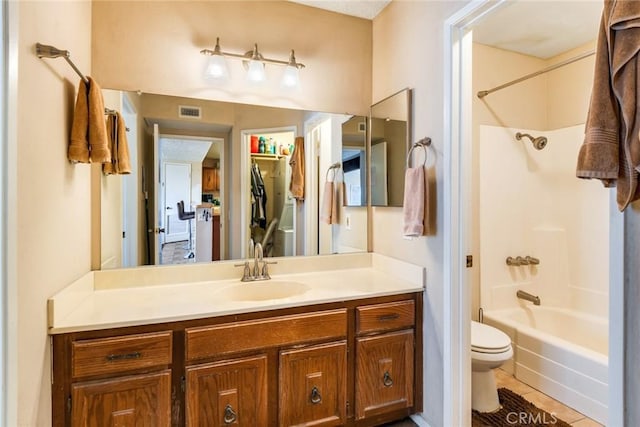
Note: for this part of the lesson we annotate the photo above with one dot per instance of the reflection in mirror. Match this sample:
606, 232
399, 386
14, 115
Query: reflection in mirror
390, 139
200, 152
354, 160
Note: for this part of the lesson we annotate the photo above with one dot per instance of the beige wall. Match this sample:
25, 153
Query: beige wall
407, 52
53, 196
154, 46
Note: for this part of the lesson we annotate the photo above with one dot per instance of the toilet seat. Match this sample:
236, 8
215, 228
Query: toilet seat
489, 340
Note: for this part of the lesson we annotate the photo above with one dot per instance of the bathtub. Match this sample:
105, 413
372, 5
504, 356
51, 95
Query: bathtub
562, 353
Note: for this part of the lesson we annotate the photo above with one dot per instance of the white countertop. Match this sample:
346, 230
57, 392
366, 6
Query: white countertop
147, 295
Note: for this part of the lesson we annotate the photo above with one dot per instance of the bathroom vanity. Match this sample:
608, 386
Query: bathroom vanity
340, 345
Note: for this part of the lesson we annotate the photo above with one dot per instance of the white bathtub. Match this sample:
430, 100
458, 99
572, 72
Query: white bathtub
561, 352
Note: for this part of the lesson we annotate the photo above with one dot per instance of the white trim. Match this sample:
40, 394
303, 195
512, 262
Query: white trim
457, 150
245, 183
9, 193
616, 314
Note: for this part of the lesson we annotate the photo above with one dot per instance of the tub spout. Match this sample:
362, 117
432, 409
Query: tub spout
527, 296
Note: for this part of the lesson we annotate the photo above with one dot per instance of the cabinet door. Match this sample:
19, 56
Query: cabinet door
228, 393
313, 385
208, 178
384, 373
137, 400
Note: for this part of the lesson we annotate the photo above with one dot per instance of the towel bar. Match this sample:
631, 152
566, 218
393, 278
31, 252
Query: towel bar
424, 143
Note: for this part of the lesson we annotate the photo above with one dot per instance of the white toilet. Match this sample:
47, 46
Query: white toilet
490, 348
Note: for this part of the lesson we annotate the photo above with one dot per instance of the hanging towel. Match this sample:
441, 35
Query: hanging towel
611, 148
296, 187
414, 203
117, 131
328, 207
89, 141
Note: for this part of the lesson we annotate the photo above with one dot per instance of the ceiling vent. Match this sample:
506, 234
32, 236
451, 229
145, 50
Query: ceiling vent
186, 112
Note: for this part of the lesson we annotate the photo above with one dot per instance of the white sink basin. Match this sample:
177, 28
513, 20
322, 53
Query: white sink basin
263, 290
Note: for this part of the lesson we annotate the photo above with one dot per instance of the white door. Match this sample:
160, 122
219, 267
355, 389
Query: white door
177, 187
158, 216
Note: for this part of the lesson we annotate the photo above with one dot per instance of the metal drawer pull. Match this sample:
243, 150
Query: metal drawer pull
230, 415
386, 379
126, 356
386, 317
315, 397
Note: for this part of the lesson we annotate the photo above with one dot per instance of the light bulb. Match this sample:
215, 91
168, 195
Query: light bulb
255, 73
217, 67
291, 76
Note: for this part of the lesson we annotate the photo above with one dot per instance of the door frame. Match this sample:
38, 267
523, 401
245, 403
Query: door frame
458, 96
245, 183
130, 190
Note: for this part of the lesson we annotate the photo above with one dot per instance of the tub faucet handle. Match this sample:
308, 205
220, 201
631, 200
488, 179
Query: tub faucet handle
522, 261
531, 260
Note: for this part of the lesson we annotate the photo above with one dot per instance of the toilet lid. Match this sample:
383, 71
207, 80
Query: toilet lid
487, 339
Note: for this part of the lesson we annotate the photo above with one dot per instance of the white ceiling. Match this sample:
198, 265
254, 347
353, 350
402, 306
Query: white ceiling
185, 150
367, 9
540, 28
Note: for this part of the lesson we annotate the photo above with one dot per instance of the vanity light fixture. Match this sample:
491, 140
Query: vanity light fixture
254, 62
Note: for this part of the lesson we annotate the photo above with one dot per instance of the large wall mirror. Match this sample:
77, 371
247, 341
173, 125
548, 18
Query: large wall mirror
198, 152
390, 140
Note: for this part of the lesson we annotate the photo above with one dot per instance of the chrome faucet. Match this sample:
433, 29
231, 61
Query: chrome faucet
527, 296
257, 259
258, 272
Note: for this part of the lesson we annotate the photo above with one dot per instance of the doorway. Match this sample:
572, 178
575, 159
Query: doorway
177, 188
459, 201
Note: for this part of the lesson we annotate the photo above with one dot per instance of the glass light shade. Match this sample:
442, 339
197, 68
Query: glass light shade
217, 67
291, 76
255, 73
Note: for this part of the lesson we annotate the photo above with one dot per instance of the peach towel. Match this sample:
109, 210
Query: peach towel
120, 163
89, 141
296, 186
327, 210
413, 208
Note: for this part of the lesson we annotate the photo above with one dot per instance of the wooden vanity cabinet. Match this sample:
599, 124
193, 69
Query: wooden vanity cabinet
353, 363
122, 380
385, 349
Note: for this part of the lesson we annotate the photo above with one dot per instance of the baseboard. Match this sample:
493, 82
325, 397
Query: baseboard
416, 418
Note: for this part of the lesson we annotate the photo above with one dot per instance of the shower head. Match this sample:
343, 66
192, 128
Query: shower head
538, 143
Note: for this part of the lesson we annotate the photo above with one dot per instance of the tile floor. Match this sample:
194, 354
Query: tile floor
542, 401
173, 253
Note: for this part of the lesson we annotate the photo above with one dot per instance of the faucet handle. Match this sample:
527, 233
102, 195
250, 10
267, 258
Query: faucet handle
265, 270
522, 261
513, 262
246, 274
531, 260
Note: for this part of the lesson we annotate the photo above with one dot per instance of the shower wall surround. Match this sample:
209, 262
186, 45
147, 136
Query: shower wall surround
532, 204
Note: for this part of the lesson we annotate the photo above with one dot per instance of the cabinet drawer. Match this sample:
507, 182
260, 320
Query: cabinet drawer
120, 354
382, 317
210, 341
